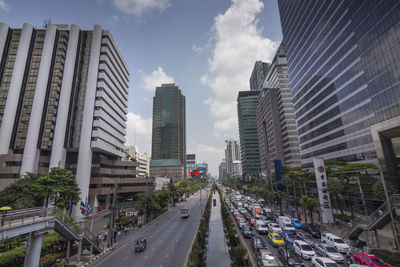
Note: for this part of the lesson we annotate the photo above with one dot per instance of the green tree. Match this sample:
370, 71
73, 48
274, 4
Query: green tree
379, 193
58, 185
19, 195
310, 204
336, 187
278, 197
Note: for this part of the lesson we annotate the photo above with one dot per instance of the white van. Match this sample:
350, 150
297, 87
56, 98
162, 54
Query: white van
283, 220
261, 227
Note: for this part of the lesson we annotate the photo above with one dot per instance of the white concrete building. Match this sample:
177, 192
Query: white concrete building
143, 159
63, 103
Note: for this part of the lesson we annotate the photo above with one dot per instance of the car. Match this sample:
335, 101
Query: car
261, 227
238, 217
303, 249
289, 237
247, 232
242, 222
328, 251
248, 215
369, 260
257, 243
335, 241
289, 257
140, 244
297, 223
288, 227
323, 262
312, 230
270, 216
306, 238
274, 228
276, 240
252, 222
266, 258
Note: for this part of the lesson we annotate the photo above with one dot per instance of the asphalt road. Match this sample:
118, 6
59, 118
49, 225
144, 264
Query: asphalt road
168, 239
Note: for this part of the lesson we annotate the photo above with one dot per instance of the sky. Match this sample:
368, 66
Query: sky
208, 48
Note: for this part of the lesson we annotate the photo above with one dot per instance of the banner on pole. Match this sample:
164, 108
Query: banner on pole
323, 193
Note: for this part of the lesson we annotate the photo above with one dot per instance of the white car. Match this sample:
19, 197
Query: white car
303, 249
288, 227
336, 242
274, 228
323, 262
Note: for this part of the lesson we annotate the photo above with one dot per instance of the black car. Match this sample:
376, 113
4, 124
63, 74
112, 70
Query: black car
312, 230
290, 257
306, 238
257, 243
247, 232
140, 245
270, 216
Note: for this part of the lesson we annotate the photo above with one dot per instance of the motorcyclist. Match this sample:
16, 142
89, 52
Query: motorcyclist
348, 258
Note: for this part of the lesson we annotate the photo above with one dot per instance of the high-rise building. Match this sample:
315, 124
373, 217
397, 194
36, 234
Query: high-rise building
344, 66
190, 163
258, 75
276, 122
247, 109
202, 167
63, 103
168, 148
143, 170
232, 153
222, 170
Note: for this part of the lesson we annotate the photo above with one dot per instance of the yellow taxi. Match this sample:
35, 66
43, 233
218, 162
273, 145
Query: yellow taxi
276, 240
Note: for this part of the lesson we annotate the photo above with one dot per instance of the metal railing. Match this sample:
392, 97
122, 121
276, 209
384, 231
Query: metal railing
26, 215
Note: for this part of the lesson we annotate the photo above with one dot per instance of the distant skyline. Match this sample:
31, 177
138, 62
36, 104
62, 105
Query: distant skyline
207, 48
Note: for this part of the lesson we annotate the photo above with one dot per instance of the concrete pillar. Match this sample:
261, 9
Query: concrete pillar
58, 152
33, 248
3, 37
78, 257
85, 151
30, 150
68, 249
378, 242
108, 200
10, 110
91, 249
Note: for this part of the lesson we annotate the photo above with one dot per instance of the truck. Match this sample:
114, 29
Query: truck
185, 213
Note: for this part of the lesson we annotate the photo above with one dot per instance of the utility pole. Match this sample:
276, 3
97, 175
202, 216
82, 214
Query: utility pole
112, 217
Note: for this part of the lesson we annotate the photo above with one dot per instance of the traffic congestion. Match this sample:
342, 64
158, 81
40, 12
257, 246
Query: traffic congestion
277, 239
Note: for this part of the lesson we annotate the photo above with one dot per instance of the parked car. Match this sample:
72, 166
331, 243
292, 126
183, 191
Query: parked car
328, 251
297, 223
288, 227
257, 243
303, 249
274, 228
335, 241
306, 238
289, 257
276, 240
323, 262
312, 230
247, 232
266, 258
369, 260
289, 237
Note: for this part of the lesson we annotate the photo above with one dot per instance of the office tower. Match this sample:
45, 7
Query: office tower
63, 103
344, 66
247, 108
190, 163
168, 149
232, 153
133, 153
202, 167
222, 170
258, 75
276, 124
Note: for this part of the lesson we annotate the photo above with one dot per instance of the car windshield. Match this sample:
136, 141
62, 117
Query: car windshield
306, 248
288, 225
276, 237
267, 256
259, 241
378, 262
331, 249
274, 225
338, 240
307, 236
328, 264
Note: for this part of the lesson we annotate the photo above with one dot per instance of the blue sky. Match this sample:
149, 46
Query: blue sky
208, 48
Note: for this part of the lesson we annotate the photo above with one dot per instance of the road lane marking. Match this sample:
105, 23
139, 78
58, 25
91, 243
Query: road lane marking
167, 255
172, 247
125, 258
154, 249
176, 241
145, 257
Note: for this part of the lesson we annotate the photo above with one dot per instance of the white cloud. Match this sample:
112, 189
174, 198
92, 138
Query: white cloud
237, 44
113, 19
139, 132
212, 155
138, 7
198, 49
156, 78
4, 6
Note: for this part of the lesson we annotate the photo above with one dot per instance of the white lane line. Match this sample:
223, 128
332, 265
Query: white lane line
167, 255
151, 236
154, 249
176, 241
172, 247
125, 258
160, 241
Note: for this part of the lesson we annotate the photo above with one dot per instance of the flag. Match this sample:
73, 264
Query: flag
70, 207
97, 204
194, 173
85, 207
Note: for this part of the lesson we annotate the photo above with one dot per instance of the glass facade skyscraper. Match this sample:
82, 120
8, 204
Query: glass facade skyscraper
344, 65
247, 111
